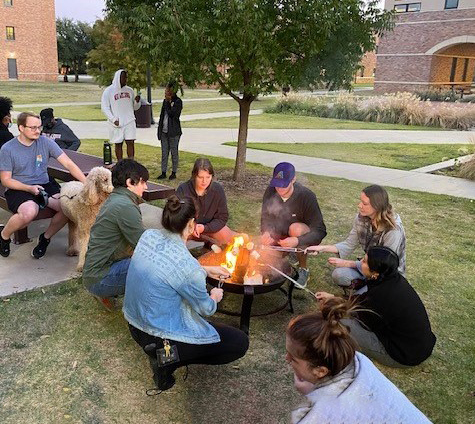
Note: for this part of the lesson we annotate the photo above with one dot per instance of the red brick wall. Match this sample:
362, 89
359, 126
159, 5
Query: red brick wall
415, 34
34, 47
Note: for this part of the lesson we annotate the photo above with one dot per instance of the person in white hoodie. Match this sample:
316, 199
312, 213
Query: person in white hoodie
118, 104
340, 385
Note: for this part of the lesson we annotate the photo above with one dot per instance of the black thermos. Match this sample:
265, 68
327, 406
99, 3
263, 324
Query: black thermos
107, 153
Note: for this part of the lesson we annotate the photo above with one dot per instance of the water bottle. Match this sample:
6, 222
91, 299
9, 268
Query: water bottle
107, 153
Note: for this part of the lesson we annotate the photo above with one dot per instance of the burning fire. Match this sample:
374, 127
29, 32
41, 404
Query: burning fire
232, 252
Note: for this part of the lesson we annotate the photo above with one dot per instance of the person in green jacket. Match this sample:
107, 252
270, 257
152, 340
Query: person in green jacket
115, 234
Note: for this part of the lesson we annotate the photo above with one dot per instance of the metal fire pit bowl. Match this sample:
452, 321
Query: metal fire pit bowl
235, 285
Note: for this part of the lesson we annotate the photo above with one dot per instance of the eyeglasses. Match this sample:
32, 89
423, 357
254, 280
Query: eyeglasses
39, 128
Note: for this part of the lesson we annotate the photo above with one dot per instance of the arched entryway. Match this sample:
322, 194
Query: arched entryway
453, 62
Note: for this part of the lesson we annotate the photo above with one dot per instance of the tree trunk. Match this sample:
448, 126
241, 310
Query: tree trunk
240, 166
65, 78
76, 71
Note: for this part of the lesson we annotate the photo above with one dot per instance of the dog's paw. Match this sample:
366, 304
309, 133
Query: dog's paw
79, 268
72, 252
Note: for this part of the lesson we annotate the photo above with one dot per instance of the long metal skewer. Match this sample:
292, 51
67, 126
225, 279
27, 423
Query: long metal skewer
283, 249
289, 278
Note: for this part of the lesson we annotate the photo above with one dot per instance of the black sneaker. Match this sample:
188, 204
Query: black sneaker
162, 376
40, 249
4, 244
172, 176
162, 176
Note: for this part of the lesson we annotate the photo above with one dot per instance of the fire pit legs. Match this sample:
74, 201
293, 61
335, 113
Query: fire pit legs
289, 297
246, 308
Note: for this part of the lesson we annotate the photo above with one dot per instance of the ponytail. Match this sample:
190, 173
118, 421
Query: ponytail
324, 339
177, 213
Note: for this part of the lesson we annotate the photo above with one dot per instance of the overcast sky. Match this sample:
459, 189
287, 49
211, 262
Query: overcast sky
86, 11
89, 10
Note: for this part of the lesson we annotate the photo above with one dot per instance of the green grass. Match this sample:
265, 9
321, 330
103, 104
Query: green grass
22, 92
387, 155
94, 113
64, 359
284, 121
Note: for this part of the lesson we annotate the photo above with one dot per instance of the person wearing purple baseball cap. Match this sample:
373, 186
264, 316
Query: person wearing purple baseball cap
291, 216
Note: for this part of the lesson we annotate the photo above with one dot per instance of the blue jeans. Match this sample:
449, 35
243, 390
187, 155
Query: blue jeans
113, 284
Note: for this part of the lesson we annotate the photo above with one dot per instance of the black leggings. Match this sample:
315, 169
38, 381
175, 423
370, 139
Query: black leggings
233, 345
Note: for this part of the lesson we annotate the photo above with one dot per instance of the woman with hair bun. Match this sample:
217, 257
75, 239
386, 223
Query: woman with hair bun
392, 326
340, 384
376, 224
166, 300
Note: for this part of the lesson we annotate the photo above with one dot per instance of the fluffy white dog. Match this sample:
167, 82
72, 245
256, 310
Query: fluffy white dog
81, 204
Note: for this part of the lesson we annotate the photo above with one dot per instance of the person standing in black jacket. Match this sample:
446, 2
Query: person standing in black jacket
5, 120
169, 129
291, 216
392, 326
58, 131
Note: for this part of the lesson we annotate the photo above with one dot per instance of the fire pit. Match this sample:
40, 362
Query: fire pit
250, 276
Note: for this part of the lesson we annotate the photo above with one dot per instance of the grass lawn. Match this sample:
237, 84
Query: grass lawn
94, 113
22, 92
64, 359
284, 121
390, 155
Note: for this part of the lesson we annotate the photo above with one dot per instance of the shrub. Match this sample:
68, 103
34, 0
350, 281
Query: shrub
399, 108
467, 169
438, 95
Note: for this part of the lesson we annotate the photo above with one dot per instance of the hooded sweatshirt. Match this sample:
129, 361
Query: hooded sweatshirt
118, 103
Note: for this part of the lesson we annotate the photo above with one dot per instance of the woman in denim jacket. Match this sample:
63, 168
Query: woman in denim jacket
166, 299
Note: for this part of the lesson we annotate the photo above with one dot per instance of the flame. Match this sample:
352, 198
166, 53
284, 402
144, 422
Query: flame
232, 252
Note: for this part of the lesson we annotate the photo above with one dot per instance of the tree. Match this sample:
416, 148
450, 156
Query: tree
111, 53
74, 42
252, 47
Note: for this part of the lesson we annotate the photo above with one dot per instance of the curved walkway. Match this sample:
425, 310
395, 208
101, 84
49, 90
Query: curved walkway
205, 141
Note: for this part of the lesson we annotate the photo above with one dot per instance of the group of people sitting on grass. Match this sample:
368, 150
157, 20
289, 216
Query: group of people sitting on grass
166, 299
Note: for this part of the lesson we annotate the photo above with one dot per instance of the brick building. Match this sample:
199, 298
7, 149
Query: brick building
433, 44
367, 68
28, 49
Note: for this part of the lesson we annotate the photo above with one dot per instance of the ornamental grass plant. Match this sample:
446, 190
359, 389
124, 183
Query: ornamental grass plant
398, 108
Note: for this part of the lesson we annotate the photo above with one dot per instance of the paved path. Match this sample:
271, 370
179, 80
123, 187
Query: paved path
209, 142
185, 100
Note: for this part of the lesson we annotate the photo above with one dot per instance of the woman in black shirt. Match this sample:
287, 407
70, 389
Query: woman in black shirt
392, 326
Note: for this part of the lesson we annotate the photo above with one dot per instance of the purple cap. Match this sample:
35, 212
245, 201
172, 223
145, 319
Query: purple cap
284, 173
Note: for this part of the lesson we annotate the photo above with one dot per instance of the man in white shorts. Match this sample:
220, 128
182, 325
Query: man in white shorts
118, 104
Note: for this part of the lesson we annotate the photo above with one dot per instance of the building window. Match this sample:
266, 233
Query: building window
408, 7
8, 3
453, 70
465, 69
10, 33
451, 4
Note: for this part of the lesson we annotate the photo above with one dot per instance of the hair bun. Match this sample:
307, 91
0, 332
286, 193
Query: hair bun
174, 203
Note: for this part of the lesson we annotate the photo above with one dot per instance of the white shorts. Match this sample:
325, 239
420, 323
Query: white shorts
119, 134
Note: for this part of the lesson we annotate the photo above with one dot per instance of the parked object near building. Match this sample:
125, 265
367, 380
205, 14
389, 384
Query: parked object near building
28, 41
432, 45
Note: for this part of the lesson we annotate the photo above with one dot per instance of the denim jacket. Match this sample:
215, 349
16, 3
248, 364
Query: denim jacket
165, 292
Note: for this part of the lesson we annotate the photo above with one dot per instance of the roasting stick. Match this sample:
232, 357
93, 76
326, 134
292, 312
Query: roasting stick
290, 279
283, 249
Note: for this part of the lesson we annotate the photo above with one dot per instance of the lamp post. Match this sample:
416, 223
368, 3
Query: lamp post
149, 93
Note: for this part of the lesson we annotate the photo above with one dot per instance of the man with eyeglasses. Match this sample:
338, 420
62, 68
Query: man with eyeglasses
24, 174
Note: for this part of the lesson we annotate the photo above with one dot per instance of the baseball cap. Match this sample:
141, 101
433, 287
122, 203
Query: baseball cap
284, 173
46, 115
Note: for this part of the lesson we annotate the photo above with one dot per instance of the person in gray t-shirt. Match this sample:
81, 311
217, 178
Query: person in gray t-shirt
24, 174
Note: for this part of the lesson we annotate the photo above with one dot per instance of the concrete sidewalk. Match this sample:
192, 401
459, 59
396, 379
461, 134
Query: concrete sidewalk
20, 272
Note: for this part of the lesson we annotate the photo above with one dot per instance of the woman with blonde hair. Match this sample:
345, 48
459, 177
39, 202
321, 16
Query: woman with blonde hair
340, 384
376, 224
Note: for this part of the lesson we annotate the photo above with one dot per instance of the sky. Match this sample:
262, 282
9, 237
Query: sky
86, 10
